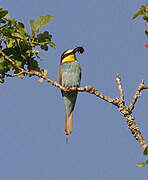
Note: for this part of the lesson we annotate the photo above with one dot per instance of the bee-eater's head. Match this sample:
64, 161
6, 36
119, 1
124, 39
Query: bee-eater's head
69, 54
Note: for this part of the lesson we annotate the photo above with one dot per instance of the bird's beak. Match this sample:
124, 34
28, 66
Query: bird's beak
78, 49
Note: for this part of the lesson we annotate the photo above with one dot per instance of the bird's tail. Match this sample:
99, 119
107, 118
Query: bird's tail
68, 125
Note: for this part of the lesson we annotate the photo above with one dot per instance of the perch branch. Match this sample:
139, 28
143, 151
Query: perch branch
88, 89
118, 102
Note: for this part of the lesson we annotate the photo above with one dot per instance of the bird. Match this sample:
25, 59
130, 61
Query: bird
69, 75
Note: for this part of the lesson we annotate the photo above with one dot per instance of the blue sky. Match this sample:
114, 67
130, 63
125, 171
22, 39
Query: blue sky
32, 113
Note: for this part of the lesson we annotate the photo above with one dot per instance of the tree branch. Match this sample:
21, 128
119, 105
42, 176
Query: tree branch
118, 102
127, 111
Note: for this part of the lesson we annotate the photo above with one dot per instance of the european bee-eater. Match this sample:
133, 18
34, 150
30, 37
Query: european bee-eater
69, 76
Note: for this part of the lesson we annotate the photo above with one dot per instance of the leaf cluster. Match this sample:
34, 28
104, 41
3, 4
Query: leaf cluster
20, 46
144, 12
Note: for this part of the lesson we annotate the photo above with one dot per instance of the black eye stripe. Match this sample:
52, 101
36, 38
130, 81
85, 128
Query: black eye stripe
65, 55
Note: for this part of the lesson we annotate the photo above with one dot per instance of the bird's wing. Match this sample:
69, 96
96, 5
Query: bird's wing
59, 76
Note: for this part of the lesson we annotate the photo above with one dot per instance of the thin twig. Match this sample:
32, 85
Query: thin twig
137, 94
118, 80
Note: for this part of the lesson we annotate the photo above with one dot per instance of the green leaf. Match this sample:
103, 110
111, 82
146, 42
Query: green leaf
141, 10
21, 76
45, 47
12, 22
3, 13
19, 63
7, 16
10, 42
40, 80
44, 71
8, 51
2, 59
21, 29
146, 151
2, 21
20, 25
52, 45
44, 37
17, 35
4, 65
1, 68
32, 51
41, 59
142, 164
146, 25
1, 79
40, 22
33, 65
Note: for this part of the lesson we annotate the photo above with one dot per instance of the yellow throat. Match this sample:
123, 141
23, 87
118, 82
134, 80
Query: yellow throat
69, 58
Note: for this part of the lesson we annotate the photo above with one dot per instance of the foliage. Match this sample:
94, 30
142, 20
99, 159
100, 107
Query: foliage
20, 46
144, 12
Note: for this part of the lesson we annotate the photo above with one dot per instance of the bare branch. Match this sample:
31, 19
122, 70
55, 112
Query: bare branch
133, 127
118, 80
88, 89
137, 95
127, 110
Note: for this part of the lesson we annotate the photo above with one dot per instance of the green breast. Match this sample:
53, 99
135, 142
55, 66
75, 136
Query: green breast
71, 74
70, 77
